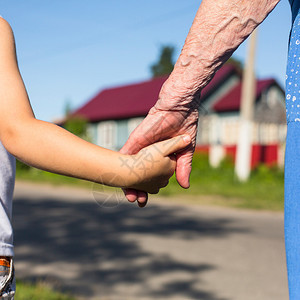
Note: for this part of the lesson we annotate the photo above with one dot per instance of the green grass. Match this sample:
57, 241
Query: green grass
264, 190
28, 291
27, 173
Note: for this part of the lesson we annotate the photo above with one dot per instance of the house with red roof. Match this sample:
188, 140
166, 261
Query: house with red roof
113, 113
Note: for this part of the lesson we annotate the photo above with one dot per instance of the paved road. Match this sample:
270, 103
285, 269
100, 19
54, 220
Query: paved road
165, 251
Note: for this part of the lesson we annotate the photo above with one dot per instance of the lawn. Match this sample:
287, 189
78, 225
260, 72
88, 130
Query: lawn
28, 291
264, 190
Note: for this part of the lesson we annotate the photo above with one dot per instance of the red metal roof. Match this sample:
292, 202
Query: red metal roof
135, 100
122, 102
232, 100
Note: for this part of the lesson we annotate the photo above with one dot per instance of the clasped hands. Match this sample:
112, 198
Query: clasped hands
169, 131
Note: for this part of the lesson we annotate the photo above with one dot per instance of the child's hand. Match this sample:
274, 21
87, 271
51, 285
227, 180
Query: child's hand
152, 167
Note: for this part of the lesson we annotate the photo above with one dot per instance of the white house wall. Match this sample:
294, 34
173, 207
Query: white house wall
107, 134
215, 129
122, 133
275, 96
271, 107
212, 130
224, 130
113, 134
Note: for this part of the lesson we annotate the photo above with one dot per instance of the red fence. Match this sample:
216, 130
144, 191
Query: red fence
261, 154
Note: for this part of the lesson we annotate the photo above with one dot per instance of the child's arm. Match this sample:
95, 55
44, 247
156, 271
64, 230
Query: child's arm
49, 147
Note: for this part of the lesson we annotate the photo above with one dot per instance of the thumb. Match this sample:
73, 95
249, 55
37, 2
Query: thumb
184, 167
174, 144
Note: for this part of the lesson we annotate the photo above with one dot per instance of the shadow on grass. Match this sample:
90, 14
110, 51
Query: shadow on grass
94, 249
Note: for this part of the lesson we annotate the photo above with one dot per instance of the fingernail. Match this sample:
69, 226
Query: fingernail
187, 139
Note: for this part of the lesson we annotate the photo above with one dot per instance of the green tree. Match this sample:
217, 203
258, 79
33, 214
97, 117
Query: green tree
68, 108
77, 125
165, 63
237, 63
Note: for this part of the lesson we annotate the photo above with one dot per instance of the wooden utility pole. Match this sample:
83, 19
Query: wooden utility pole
244, 145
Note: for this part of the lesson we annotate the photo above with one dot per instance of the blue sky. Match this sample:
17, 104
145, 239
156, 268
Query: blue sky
69, 50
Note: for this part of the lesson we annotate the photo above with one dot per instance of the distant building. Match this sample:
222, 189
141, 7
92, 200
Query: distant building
115, 112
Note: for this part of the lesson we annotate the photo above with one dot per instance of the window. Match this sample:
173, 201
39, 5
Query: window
107, 134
